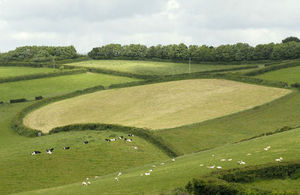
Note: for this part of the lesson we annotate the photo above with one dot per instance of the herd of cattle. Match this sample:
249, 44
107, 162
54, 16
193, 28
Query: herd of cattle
50, 150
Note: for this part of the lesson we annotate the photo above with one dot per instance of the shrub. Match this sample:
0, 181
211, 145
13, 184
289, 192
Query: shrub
17, 100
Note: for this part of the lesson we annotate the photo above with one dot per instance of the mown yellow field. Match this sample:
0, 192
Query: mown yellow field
155, 106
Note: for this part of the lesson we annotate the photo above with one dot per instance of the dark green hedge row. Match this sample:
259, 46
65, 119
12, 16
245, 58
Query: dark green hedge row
283, 170
144, 133
41, 75
273, 68
283, 129
230, 181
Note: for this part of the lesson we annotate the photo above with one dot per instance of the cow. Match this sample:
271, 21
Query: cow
49, 151
121, 137
108, 140
130, 135
85, 142
35, 152
66, 148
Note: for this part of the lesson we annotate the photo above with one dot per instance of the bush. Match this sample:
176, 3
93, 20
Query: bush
39, 98
17, 100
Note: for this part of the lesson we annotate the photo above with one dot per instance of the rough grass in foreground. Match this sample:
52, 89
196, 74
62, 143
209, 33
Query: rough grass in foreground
20, 171
155, 106
56, 85
171, 175
150, 67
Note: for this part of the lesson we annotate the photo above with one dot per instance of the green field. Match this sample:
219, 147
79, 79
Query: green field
150, 67
201, 120
233, 128
155, 106
171, 175
56, 85
288, 75
22, 171
12, 71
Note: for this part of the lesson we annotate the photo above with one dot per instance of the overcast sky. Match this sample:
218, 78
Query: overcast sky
91, 23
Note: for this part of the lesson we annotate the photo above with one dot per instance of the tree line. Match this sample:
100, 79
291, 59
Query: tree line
39, 54
288, 49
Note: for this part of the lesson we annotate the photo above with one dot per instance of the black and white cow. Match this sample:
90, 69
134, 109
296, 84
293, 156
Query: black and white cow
49, 151
35, 152
66, 148
85, 142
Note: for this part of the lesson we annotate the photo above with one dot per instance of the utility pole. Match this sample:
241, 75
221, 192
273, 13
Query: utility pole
53, 62
189, 64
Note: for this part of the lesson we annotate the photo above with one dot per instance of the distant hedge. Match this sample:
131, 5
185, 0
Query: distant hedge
41, 75
273, 68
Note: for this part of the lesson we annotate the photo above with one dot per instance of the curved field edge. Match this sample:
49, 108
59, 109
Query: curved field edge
156, 106
273, 117
176, 174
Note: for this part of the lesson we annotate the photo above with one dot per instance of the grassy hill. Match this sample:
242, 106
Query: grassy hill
155, 106
152, 68
166, 177
22, 171
217, 132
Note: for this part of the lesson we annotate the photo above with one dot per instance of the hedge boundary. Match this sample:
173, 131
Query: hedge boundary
273, 68
41, 75
146, 134
230, 181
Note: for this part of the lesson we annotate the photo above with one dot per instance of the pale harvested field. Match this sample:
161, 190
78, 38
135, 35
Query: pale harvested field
155, 106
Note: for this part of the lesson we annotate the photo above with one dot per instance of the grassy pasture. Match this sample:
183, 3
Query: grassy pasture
12, 71
166, 177
277, 184
217, 132
288, 75
150, 67
155, 106
56, 85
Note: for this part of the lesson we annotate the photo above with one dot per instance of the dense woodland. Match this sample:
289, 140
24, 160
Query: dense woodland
39, 54
288, 49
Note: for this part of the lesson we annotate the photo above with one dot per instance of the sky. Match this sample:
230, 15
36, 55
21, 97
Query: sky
93, 23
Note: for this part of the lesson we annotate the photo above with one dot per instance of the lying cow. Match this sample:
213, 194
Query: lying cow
35, 152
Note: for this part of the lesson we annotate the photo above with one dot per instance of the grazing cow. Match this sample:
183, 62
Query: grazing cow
49, 151
108, 140
113, 139
128, 140
66, 148
130, 135
121, 137
35, 152
85, 142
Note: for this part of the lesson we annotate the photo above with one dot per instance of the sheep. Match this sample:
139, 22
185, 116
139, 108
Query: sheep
201, 165
222, 160
116, 179
230, 159
150, 170
249, 154
173, 159
89, 183
121, 137
267, 148
84, 183
135, 147
112, 140
279, 159
211, 167
241, 162
153, 166
162, 163
147, 174
219, 167
119, 174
